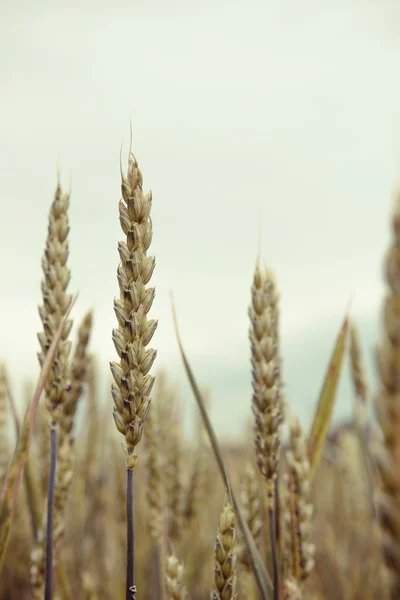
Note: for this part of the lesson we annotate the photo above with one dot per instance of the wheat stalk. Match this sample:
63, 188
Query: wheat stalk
132, 381
65, 457
55, 305
267, 398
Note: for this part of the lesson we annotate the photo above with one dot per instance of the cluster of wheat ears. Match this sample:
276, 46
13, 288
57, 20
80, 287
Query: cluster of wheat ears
282, 516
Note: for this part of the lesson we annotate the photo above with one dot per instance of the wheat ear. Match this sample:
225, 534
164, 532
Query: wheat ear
388, 412
65, 455
299, 475
267, 397
52, 311
225, 557
291, 590
132, 381
360, 411
78, 373
175, 579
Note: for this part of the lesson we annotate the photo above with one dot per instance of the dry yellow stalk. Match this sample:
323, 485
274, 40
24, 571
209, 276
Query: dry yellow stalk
388, 412
132, 382
225, 557
267, 406
299, 468
56, 301
174, 579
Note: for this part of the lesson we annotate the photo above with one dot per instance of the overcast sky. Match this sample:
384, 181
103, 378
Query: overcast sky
282, 116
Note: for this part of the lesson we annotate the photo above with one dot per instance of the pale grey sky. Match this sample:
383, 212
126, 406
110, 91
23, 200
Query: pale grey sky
279, 114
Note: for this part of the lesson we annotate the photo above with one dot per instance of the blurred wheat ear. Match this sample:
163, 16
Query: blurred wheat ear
9, 492
388, 412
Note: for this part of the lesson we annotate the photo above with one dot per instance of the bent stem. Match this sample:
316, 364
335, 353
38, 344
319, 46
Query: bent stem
130, 536
274, 551
50, 510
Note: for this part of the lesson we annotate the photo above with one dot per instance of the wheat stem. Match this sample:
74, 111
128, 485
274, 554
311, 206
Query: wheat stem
130, 536
274, 551
50, 511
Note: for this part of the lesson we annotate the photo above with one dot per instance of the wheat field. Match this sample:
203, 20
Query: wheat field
111, 499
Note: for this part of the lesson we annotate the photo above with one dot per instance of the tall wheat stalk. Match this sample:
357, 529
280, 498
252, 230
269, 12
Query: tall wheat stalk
267, 400
132, 381
52, 311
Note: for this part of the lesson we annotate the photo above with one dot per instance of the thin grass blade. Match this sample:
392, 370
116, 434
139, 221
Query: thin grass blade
320, 426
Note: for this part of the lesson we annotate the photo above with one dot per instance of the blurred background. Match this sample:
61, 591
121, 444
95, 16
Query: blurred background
278, 117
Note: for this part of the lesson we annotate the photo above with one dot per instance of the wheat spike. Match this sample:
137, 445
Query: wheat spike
388, 412
77, 376
225, 557
132, 382
56, 300
291, 590
266, 378
299, 468
174, 579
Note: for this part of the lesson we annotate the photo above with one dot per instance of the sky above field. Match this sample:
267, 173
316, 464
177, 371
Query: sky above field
281, 117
